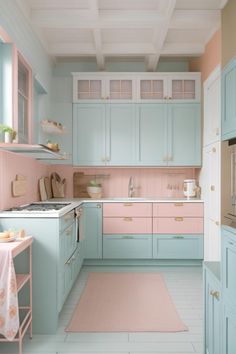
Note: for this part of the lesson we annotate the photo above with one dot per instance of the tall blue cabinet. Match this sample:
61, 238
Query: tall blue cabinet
228, 109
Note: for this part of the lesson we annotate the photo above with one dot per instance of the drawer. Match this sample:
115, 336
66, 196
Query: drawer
127, 247
127, 209
178, 209
178, 246
127, 225
67, 220
178, 225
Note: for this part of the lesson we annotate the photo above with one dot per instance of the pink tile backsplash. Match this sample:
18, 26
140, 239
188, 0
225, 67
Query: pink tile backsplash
13, 164
148, 182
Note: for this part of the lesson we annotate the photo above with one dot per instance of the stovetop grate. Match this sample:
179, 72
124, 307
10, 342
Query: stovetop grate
39, 207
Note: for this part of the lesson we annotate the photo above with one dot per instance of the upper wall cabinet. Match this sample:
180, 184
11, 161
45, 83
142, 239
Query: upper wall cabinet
97, 87
228, 112
164, 87
136, 87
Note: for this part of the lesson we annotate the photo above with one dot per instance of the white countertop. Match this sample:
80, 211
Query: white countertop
76, 202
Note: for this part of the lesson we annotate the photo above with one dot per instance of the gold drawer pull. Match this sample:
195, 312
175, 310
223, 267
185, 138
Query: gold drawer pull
212, 188
128, 219
179, 219
178, 204
128, 204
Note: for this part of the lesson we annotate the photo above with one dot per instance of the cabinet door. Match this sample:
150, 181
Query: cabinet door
120, 134
184, 135
229, 265
154, 89
212, 108
88, 89
89, 134
93, 230
229, 330
152, 132
184, 88
120, 89
177, 246
228, 112
213, 315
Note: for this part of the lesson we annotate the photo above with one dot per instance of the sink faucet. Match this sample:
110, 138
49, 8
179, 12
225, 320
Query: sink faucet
131, 187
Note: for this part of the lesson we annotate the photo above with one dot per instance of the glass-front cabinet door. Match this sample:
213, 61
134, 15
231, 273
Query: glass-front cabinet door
152, 88
120, 89
184, 88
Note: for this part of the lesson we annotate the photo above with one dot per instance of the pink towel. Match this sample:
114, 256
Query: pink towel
9, 314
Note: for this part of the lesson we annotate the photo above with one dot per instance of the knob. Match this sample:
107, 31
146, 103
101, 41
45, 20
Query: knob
99, 206
213, 149
212, 188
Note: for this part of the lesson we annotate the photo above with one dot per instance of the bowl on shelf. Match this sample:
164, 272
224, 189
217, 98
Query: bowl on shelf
53, 146
95, 192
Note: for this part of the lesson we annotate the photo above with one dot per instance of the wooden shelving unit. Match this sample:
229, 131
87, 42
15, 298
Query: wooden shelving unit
25, 312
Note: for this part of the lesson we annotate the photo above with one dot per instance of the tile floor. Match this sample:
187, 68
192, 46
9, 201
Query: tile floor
185, 286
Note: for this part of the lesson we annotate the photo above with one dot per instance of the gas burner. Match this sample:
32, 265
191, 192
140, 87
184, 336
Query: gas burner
40, 207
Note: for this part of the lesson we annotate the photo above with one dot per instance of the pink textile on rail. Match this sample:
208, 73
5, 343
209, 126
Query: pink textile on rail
125, 302
9, 314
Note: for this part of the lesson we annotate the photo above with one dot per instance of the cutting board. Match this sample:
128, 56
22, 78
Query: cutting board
19, 186
42, 189
48, 187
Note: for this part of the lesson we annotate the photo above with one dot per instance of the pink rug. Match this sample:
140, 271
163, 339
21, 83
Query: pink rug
125, 302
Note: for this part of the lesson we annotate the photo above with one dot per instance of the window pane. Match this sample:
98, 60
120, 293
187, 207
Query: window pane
23, 79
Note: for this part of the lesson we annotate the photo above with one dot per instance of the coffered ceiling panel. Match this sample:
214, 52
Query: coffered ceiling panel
144, 29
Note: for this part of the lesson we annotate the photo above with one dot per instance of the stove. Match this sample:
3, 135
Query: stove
35, 207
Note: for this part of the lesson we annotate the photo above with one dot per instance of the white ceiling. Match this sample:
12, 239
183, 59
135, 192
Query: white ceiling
130, 28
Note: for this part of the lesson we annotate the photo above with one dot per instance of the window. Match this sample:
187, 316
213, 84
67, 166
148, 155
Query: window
24, 101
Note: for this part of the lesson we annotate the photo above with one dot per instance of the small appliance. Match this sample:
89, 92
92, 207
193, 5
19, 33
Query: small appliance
189, 188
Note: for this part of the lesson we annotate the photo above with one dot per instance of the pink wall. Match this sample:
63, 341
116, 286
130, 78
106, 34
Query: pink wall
210, 59
13, 164
149, 182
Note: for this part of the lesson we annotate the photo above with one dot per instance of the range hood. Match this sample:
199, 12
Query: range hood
38, 152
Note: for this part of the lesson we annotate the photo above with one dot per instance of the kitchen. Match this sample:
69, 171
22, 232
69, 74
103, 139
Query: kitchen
127, 116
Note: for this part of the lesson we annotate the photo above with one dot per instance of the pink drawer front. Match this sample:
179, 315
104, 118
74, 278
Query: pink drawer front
178, 225
127, 225
178, 209
127, 209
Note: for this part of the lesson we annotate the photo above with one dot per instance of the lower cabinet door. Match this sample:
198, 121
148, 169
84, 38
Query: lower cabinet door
127, 246
177, 246
229, 329
213, 314
229, 265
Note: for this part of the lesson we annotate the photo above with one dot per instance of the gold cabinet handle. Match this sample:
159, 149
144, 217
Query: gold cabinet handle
128, 219
178, 218
215, 294
179, 204
99, 206
213, 149
212, 188
128, 204
178, 237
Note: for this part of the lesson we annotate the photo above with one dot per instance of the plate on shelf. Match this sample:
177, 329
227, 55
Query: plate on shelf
10, 239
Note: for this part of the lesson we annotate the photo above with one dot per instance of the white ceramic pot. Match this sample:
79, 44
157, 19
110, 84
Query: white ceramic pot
7, 137
189, 188
94, 192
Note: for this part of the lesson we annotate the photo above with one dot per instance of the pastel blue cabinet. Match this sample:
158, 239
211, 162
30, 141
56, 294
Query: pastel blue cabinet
120, 134
104, 134
153, 135
212, 308
89, 134
169, 134
177, 246
127, 246
229, 329
92, 213
229, 265
184, 135
228, 109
